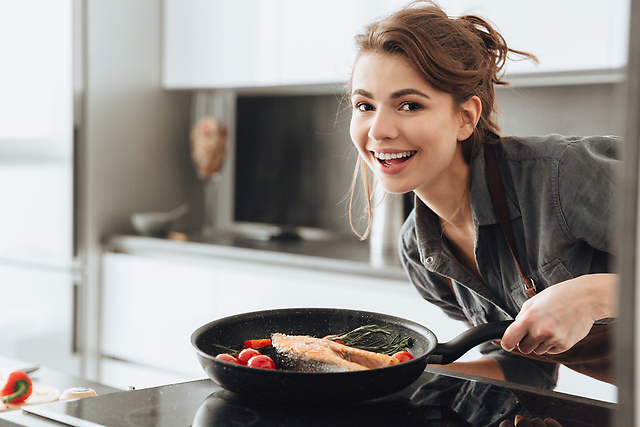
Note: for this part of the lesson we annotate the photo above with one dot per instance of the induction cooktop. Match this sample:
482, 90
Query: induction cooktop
436, 399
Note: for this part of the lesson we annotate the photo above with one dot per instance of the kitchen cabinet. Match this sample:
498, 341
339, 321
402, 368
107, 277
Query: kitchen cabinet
39, 269
150, 306
565, 36
258, 42
218, 44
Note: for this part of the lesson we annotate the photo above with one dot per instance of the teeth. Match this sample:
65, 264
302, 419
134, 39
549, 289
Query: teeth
389, 156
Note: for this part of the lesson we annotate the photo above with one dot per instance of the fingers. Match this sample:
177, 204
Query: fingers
513, 335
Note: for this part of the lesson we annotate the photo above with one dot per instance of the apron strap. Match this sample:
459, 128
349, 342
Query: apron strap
500, 204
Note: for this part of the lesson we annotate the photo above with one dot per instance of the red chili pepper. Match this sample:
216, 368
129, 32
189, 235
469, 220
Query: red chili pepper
257, 343
17, 388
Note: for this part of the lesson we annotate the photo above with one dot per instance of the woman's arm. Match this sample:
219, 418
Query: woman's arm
558, 317
483, 367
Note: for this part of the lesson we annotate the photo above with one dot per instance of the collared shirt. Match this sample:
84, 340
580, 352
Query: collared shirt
560, 195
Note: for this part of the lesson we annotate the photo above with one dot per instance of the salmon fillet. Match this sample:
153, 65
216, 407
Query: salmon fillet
308, 354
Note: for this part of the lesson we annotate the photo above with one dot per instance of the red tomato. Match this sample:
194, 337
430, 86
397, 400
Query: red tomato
403, 356
257, 343
261, 361
227, 358
246, 354
332, 338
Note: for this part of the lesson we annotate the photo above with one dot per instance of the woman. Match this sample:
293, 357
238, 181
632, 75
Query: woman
422, 92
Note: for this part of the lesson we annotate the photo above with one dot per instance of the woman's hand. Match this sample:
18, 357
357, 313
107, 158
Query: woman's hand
557, 318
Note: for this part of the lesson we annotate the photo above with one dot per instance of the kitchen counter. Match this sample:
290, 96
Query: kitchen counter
437, 398
338, 254
49, 377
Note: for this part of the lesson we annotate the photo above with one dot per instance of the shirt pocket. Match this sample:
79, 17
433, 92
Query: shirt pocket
549, 274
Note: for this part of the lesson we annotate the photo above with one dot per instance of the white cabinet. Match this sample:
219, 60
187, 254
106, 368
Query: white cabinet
151, 306
212, 44
565, 35
216, 43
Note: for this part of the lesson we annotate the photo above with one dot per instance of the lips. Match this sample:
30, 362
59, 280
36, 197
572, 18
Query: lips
391, 159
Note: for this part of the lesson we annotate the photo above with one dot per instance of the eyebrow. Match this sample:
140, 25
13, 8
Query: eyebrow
394, 95
404, 92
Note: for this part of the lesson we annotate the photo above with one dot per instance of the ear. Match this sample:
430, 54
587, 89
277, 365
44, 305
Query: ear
470, 111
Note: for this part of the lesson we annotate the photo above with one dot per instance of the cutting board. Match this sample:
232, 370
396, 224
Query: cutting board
41, 394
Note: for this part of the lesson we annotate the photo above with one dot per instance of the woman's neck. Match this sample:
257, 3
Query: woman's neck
449, 198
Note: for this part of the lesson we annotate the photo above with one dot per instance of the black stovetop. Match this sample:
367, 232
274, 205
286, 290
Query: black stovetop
436, 399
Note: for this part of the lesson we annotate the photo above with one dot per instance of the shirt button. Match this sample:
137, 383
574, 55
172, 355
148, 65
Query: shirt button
429, 260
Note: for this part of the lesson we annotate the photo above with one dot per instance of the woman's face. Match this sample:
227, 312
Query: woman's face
405, 129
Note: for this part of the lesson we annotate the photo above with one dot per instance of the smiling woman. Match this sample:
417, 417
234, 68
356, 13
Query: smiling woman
503, 228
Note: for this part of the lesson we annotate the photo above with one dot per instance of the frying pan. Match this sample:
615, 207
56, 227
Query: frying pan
288, 387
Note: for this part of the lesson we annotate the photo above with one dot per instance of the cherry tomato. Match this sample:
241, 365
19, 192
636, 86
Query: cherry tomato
227, 358
403, 356
247, 354
257, 343
262, 361
332, 338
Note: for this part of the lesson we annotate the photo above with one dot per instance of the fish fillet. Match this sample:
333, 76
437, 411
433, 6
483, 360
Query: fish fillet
308, 354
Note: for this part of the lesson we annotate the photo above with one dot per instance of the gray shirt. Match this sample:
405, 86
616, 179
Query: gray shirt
560, 195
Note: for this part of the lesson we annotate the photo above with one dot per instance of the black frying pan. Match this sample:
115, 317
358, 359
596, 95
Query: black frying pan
287, 387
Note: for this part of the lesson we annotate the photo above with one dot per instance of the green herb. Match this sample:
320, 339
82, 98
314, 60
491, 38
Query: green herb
227, 349
374, 338
234, 352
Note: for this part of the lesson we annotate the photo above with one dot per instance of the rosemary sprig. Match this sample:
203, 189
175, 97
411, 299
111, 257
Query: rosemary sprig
224, 349
234, 352
374, 338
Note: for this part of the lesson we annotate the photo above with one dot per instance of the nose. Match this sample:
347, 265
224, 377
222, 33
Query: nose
383, 126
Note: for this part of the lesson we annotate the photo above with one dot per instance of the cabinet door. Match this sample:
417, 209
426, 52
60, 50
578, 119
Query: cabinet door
316, 40
36, 317
211, 44
564, 35
150, 308
214, 43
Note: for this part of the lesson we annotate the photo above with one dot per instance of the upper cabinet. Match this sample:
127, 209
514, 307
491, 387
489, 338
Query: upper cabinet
218, 43
565, 35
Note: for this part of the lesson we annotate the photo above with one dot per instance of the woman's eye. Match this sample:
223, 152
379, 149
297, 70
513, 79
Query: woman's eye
410, 106
363, 106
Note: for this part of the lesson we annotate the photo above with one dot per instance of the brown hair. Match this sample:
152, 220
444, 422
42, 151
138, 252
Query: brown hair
463, 56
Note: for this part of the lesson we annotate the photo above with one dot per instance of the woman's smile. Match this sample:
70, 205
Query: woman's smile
392, 161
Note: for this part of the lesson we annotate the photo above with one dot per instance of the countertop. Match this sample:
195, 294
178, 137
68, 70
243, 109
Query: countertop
50, 377
340, 255
437, 398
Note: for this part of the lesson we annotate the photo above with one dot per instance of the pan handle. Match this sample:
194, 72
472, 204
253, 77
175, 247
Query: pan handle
449, 352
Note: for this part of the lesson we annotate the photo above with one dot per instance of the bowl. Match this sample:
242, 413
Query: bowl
150, 224
156, 224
